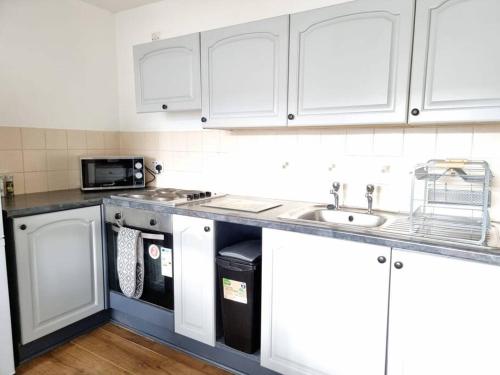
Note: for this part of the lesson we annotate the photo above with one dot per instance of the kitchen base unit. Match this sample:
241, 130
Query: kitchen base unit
324, 305
56, 277
443, 316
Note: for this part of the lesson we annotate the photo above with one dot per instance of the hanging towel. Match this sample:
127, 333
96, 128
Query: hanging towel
130, 262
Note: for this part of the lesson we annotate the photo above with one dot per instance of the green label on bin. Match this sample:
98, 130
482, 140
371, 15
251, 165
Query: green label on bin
234, 290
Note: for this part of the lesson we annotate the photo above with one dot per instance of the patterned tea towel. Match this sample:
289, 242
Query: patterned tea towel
130, 262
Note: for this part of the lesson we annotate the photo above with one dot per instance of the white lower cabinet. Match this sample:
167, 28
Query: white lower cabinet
59, 262
444, 316
324, 305
194, 278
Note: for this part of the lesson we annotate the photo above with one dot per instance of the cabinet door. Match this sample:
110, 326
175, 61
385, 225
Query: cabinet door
350, 63
456, 61
167, 73
194, 278
324, 305
443, 316
244, 74
59, 269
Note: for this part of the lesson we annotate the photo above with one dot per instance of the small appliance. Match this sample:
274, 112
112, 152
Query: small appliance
116, 172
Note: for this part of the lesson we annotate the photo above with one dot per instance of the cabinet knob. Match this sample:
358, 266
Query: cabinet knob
118, 216
164, 106
398, 265
23, 227
291, 116
415, 112
203, 119
206, 229
381, 259
152, 222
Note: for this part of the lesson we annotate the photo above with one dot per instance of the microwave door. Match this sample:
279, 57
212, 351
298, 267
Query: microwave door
107, 173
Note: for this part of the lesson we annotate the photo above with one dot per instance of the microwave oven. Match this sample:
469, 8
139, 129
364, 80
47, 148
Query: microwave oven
106, 173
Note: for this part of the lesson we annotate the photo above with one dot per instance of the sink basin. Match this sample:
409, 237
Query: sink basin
340, 217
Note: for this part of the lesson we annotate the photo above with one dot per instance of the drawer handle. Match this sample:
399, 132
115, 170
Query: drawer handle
206, 229
23, 227
398, 265
381, 259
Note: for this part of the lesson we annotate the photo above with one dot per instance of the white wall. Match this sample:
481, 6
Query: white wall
179, 17
57, 65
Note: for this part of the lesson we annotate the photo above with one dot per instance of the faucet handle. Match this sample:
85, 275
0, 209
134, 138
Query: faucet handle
370, 188
336, 186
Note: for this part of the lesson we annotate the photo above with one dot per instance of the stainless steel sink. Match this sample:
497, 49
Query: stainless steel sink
349, 217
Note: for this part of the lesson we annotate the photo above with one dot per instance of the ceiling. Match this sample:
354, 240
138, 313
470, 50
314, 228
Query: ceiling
119, 5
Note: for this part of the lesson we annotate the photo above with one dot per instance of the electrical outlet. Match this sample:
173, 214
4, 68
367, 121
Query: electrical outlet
156, 35
157, 166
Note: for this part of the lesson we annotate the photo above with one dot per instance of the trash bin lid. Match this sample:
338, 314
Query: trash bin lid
248, 251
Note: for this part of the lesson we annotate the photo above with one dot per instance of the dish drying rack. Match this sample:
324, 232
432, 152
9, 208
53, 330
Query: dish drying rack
450, 201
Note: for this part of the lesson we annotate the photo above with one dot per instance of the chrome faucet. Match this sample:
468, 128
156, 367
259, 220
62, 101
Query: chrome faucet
335, 192
369, 196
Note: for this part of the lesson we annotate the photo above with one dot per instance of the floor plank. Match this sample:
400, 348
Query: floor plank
166, 351
116, 351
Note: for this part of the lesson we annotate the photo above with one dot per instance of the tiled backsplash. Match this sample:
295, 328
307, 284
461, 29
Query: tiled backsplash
47, 159
284, 163
302, 164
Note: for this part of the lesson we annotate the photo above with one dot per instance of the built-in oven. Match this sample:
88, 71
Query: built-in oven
106, 173
156, 229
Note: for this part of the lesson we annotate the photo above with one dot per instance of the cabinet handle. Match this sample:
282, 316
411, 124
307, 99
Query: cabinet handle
291, 116
152, 222
415, 112
23, 227
118, 216
398, 265
206, 229
164, 106
381, 259
203, 119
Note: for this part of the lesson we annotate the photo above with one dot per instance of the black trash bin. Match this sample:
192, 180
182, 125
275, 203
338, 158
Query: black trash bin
239, 277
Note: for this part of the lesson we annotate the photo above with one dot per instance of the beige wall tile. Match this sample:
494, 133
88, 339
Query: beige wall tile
57, 160
18, 183
73, 179
95, 140
151, 141
77, 139
388, 142
10, 138
35, 160
127, 140
56, 139
74, 158
57, 180
33, 139
35, 182
11, 161
112, 140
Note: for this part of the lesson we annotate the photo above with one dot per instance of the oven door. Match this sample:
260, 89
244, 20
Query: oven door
101, 174
158, 282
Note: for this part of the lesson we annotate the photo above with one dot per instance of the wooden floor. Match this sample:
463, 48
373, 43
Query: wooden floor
113, 350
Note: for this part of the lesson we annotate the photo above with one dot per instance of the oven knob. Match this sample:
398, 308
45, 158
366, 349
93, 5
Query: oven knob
208, 194
152, 222
196, 196
118, 216
138, 175
138, 165
202, 195
189, 197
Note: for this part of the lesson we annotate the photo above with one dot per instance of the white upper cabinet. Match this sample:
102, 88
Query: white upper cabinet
443, 316
244, 71
350, 63
456, 61
324, 305
167, 74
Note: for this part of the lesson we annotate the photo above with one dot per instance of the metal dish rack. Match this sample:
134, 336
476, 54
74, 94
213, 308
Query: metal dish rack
450, 201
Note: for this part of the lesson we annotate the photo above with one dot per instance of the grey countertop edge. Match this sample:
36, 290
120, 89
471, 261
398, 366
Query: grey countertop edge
267, 219
483, 255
